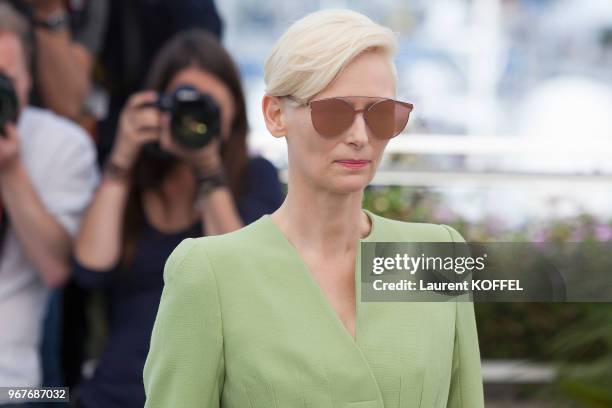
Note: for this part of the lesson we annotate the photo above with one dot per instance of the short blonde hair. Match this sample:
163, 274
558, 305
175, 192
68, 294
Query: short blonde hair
315, 49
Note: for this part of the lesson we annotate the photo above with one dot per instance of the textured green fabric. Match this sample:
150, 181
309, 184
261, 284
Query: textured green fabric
242, 323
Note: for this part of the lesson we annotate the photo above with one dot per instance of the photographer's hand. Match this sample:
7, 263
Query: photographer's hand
64, 66
215, 199
208, 159
99, 242
137, 126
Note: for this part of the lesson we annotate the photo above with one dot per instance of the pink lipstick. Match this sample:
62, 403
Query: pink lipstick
353, 164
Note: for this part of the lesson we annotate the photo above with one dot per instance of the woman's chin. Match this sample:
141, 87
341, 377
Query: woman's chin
350, 184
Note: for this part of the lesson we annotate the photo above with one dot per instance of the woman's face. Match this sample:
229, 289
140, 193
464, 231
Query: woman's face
318, 159
205, 82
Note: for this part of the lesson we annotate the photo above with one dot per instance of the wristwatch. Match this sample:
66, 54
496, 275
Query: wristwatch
56, 21
115, 172
209, 182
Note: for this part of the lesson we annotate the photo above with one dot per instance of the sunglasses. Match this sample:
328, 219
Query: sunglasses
385, 117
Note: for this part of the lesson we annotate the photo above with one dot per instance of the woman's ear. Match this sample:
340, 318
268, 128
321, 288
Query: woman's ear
274, 115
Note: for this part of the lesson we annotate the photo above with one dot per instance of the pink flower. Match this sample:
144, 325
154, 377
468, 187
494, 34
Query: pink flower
603, 232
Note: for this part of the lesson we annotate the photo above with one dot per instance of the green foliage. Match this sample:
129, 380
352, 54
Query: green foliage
585, 348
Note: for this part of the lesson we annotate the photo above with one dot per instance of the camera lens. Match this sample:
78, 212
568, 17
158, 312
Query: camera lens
195, 119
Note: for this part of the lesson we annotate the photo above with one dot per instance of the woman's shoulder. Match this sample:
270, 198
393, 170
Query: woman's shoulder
241, 241
197, 262
398, 230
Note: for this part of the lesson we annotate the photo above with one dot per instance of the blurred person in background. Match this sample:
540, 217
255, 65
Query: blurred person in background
137, 29
48, 174
68, 35
153, 195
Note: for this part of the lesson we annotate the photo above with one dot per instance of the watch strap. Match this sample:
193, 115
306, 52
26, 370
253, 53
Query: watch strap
207, 182
115, 172
54, 22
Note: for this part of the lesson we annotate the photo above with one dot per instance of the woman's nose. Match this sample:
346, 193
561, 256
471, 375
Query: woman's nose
358, 132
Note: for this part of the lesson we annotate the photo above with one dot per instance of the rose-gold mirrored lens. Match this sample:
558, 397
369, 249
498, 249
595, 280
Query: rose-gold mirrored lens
402, 114
387, 118
331, 117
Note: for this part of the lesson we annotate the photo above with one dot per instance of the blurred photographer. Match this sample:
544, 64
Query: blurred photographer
68, 35
137, 31
47, 176
179, 168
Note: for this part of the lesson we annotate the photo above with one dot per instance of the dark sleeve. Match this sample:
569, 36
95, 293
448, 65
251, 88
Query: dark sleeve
263, 192
90, 278
90, 32
197, 14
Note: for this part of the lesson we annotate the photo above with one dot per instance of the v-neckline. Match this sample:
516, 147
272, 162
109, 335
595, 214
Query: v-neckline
317, 287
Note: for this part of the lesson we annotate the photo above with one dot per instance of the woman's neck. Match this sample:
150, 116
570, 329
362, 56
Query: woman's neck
326, 223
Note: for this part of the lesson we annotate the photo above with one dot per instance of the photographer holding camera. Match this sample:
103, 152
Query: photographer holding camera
178, 168
48, 174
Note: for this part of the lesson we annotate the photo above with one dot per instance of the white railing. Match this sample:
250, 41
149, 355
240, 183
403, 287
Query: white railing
435, 178
424, 144
462, 144
516, 372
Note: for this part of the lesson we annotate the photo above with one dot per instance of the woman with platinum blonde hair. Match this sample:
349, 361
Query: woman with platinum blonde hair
271, 315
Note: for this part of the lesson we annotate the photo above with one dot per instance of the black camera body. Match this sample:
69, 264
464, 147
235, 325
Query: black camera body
9, 106
195, 116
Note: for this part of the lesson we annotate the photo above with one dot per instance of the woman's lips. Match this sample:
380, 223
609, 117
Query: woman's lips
353, 164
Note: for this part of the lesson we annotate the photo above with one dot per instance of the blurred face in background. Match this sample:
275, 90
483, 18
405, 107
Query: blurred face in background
316, 159
13, 64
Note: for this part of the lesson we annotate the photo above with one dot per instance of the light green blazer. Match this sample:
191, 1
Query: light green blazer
243, 324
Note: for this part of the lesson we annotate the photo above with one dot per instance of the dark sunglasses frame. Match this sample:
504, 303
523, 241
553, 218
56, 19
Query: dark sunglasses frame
364, 111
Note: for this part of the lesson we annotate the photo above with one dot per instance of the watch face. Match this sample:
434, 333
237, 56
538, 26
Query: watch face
56, 21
